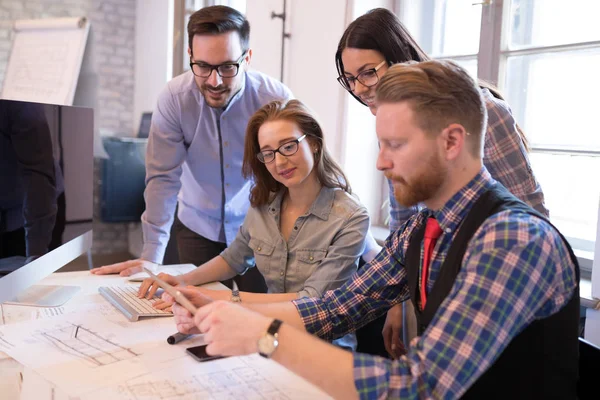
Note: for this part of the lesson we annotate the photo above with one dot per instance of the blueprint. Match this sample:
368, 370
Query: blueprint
85, 351
249, 378
88, 350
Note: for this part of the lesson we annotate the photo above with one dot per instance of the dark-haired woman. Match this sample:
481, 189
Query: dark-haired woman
378, 39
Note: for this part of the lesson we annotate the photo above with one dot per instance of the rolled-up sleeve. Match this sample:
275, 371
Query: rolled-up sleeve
369, 293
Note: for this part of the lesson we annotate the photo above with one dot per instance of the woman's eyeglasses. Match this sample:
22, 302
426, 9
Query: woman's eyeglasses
287, 149
367, 78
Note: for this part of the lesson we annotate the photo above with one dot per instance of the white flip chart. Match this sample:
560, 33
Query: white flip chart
45, 60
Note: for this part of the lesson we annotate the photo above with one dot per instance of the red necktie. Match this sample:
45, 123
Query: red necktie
432, 233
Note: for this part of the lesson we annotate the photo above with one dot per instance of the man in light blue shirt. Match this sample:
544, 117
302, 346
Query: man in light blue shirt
196, 143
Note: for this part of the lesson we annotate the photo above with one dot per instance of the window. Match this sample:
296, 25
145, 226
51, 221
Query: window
445, 29
552, 59
544, 56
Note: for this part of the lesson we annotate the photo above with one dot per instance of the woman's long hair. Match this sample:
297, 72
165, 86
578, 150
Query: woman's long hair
329, 173
379, 29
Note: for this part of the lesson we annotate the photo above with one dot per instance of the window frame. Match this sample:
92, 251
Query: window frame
492, 60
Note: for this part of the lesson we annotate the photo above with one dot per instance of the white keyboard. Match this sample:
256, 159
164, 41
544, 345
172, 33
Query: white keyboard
125, 299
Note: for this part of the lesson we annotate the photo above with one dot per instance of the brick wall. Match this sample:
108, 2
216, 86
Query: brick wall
112, 42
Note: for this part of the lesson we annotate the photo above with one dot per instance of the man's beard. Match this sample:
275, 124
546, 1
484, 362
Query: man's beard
212, 102
423, 186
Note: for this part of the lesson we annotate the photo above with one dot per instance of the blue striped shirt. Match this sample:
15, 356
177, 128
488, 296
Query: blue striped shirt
184, 165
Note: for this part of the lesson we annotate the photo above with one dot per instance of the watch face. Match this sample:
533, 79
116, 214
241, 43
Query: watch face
267, 345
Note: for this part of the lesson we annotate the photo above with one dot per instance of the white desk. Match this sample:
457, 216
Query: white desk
119, 359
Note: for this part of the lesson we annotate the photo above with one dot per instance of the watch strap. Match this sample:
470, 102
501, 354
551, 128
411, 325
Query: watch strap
274, 327
235, 293
268, 343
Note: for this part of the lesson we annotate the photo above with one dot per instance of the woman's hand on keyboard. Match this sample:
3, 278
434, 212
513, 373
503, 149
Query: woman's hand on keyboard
149, 287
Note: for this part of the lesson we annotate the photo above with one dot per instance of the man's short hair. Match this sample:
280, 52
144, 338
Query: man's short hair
440, 93
216, 20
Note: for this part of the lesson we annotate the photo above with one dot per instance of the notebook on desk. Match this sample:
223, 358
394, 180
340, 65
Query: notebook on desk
124, 299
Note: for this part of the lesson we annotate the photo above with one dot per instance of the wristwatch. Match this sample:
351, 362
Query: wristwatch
268, 343
235, 294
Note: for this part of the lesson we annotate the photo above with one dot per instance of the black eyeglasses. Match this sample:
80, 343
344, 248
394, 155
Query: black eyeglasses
225, 70
367, 78
286, 149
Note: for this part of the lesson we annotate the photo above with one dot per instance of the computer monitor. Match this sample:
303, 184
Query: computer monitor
145, 122
46, 194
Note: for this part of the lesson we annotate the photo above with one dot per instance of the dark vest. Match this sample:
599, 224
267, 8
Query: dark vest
541, 362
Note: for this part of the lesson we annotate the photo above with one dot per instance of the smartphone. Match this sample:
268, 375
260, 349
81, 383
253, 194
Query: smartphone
199, 353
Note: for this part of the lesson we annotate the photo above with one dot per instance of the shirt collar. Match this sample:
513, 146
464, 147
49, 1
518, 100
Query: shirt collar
456, 209
238, 95
320, 208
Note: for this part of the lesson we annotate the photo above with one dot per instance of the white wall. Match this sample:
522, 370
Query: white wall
153, 54
315, 27
265, 35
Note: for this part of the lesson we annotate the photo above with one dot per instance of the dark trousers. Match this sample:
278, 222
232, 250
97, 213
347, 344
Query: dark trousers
61, 221
12, 243
195, 249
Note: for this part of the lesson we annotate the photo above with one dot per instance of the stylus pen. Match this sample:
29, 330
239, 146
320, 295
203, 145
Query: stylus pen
177, 295
177, 337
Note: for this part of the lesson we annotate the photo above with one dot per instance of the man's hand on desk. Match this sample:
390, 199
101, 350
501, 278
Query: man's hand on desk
125, 268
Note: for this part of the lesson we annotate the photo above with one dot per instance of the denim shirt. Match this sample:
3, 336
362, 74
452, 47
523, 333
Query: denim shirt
321, 253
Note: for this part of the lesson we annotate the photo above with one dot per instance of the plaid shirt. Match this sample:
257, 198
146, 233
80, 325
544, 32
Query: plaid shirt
516, 269
504, 156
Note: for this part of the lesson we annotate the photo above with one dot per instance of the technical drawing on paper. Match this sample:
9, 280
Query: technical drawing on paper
90, 346
238, 383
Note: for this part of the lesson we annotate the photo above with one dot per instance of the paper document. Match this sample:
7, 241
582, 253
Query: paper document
10, 314
82, 352
175, 269
248, 377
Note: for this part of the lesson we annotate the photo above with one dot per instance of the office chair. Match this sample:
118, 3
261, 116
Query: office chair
589, 366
